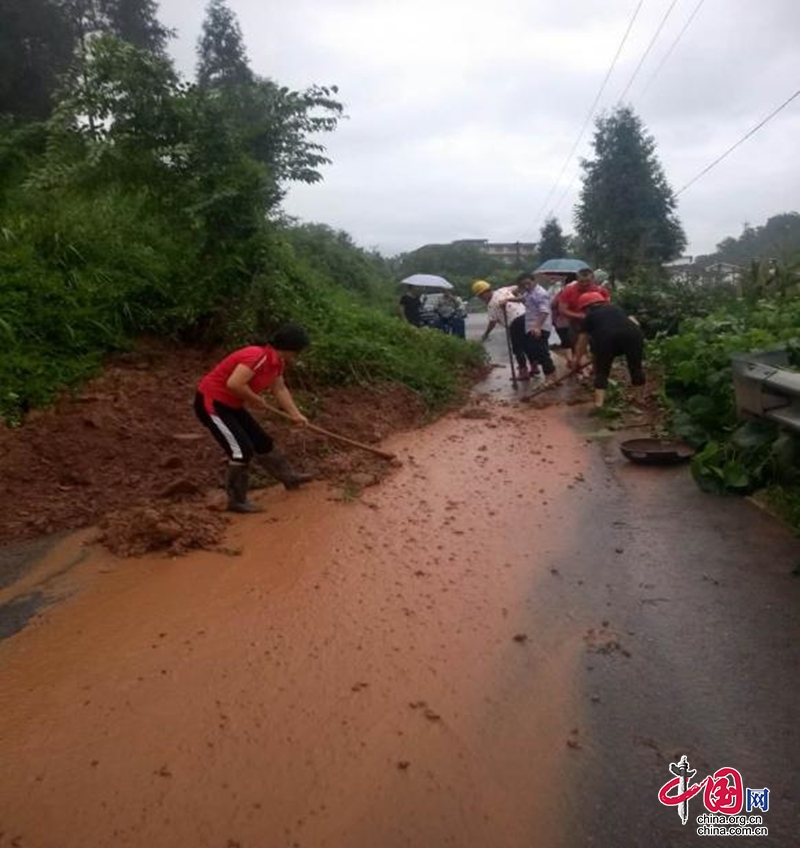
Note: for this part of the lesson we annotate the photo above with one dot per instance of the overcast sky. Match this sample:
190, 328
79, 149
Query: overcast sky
462, 113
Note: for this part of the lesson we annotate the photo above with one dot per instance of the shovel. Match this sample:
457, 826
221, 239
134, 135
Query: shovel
510, 349
563, 378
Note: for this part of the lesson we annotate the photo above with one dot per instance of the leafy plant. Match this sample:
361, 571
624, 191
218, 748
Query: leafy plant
698, 383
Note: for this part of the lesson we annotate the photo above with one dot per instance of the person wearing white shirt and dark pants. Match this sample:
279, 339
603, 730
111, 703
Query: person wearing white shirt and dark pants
502, 305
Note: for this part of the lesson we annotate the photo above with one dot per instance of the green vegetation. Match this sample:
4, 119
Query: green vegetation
698, 390
662, 306
140, 203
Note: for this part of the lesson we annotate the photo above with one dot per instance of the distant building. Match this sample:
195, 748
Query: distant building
506, 251
681, 270
724, 272
686, 270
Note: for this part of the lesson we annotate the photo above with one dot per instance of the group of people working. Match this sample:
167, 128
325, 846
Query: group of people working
582, 315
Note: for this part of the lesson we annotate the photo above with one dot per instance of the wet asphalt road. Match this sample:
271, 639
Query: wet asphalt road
695, 650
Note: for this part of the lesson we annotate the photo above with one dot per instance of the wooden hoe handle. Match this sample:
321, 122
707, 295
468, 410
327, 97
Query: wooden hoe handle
323, 432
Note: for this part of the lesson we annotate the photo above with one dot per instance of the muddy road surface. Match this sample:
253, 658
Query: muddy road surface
504, 645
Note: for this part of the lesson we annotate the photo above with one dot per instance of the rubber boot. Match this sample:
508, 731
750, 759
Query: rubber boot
236, 486
278, 465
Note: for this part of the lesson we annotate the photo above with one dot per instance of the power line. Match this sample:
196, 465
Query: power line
672, 48
740, 141
647, 51
538, 215
564, 193
650, 80
627, 87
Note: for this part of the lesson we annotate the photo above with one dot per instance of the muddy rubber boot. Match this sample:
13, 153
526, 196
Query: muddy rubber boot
278, 466
236, 486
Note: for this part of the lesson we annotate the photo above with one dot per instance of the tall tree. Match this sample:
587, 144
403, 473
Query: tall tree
552, 242
222, 58
626, 213
36, 46
136, 21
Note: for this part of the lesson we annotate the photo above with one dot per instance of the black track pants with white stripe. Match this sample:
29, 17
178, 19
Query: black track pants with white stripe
237, 432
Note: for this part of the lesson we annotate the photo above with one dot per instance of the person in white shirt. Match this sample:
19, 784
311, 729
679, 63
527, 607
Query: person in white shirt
538, 324
503, 307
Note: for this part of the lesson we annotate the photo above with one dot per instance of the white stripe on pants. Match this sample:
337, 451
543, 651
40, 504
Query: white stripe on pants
236, 450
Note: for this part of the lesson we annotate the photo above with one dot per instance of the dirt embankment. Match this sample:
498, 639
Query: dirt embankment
128, 452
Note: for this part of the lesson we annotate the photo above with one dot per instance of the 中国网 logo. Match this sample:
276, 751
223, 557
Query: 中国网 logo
724, 797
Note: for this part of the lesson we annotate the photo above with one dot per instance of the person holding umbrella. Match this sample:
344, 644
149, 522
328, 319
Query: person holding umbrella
410, 306
611, 333
503, 307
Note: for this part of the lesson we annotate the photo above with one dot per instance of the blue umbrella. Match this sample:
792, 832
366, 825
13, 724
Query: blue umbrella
561, 266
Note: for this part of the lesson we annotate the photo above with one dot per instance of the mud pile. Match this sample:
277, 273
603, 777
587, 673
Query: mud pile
174, 529
128, 443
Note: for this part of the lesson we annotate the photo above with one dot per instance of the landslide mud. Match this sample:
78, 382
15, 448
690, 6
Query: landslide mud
129, 451
373, 672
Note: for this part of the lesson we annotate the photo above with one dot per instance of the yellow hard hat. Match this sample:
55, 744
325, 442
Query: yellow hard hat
480, 286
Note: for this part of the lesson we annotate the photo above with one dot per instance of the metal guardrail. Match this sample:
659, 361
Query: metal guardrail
766, 388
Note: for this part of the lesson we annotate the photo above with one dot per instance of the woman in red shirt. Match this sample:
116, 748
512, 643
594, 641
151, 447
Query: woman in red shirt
219, 404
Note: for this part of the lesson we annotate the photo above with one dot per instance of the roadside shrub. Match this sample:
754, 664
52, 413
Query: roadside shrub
661, 306
698, 386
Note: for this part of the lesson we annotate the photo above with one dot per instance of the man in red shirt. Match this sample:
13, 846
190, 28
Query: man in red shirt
219, 404
567, 301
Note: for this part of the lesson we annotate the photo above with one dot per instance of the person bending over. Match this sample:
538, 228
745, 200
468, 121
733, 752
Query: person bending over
503, 307
611, 333
238, 380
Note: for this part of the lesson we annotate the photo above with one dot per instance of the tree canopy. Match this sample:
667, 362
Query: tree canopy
552, 241
136, 21
222, 58
41, 42
36, 47
626, 213
778, 239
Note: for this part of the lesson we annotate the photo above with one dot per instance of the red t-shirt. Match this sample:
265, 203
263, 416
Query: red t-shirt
263, 361
570, 295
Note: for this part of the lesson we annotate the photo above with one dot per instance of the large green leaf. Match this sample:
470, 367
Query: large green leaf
753, 435
736, 476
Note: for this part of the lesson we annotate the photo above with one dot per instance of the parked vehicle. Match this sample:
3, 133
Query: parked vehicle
444, 312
